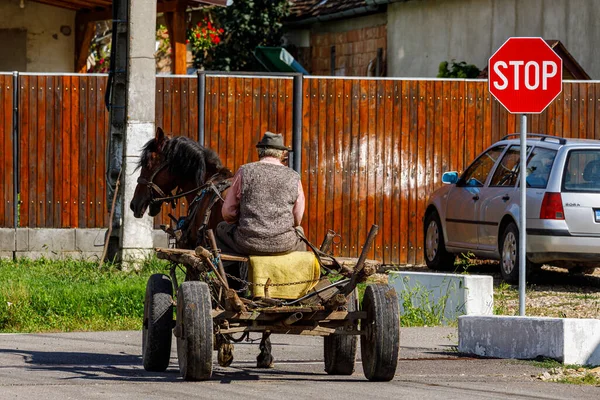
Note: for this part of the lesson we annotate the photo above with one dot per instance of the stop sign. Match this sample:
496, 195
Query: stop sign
525, 75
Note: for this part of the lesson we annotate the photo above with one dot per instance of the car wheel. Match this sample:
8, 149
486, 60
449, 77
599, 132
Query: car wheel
434, 248
509, 251
509, 255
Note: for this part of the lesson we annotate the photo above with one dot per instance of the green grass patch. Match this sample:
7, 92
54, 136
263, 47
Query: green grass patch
71, 295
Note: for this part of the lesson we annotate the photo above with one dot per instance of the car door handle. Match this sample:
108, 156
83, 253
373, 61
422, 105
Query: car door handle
506, 197
476, 197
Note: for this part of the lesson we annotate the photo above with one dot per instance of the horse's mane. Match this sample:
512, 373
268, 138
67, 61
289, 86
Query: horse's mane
185, 157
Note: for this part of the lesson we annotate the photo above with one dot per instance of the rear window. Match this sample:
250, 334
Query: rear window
582, 171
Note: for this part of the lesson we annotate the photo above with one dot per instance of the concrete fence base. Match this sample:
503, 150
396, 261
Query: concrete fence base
59, 243
567, 340
458, 294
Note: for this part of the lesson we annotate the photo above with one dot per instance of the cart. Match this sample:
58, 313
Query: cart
209, 313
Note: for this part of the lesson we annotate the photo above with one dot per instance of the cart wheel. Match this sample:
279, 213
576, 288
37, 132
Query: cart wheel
340, 350
380, 344
195, 331
158, 323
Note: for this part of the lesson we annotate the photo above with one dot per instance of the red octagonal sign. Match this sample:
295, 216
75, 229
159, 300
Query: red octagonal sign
525, 75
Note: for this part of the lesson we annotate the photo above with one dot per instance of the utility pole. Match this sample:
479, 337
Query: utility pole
133, 109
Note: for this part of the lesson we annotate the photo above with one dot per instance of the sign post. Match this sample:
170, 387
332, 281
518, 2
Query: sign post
525, 76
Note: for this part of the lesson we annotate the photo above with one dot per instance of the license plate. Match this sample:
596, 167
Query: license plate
597, 212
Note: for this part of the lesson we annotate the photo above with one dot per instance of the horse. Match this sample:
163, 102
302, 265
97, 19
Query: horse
196, 172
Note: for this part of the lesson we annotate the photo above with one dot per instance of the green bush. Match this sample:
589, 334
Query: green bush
457, 70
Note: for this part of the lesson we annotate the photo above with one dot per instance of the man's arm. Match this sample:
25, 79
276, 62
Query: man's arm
231, 206
299, 205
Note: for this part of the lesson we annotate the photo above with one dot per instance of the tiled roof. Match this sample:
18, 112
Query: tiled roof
302, 9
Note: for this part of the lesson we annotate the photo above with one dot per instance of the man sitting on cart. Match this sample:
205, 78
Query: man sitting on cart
263, 208
264, 205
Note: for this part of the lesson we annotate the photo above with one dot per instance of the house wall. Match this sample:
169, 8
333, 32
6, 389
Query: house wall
356, 41
46, 49
421, 34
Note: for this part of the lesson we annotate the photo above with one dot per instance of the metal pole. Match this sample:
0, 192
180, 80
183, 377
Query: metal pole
297, 123
201, 104
523, 216
15, 121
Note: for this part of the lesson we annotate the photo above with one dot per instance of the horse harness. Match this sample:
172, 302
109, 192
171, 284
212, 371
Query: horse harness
153, 187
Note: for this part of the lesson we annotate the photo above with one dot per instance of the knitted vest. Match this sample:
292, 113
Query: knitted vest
266, 221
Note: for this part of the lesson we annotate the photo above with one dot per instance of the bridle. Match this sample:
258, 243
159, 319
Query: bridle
153, 187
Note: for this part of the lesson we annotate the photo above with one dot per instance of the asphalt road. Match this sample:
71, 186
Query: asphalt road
107, 365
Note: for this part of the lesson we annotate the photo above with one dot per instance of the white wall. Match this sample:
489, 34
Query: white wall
47, 49
423, 33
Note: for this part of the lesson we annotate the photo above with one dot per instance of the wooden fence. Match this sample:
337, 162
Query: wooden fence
372, 149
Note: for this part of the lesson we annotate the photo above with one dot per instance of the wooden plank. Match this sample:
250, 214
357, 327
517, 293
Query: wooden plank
396, 172
312, 148
238, 127
33, 156
388, 172
330, 162
346, 154
414, 166
24, 150
83, 140
75, 152
418, 210
229, 133
306, 125
58, 155
245, 148
338, 205
44, 162
6, 162
406, 162
378, 158
92, 144
590, 101
362, 153
576, 109
222, 121
427, 164
65, 216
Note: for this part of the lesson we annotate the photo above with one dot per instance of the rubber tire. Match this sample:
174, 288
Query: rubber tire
158, 323
512, 276
339, 351
381, 343
443, 260
195, 326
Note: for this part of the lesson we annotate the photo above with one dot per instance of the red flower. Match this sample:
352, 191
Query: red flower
216, 40
221, 30
197, 35
187, 41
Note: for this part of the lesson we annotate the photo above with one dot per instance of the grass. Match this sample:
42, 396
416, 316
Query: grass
70, 295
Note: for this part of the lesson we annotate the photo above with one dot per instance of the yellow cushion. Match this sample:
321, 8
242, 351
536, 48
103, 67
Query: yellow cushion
288, 268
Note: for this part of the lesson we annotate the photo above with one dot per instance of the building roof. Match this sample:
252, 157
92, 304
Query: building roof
303, 9
102, 5
571, 68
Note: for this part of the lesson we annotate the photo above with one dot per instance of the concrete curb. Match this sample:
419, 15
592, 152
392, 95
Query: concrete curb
458, 294
568, 340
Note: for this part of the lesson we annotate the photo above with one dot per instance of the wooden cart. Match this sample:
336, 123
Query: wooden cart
209, 314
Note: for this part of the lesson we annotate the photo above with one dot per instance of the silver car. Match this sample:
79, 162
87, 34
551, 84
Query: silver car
478, 211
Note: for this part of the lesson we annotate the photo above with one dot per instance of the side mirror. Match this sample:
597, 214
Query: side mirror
450, 177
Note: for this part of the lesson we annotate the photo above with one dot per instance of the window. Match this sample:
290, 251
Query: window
539, 166
582, 171
477, 173
507, 173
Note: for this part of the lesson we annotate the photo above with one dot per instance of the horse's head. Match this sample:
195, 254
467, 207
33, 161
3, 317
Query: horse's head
155, 179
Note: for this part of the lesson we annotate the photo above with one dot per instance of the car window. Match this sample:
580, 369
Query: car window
539, 166
582, 171
477, 173
507, 173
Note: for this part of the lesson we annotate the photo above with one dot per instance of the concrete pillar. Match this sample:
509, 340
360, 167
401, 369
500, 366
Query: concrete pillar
136, 234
